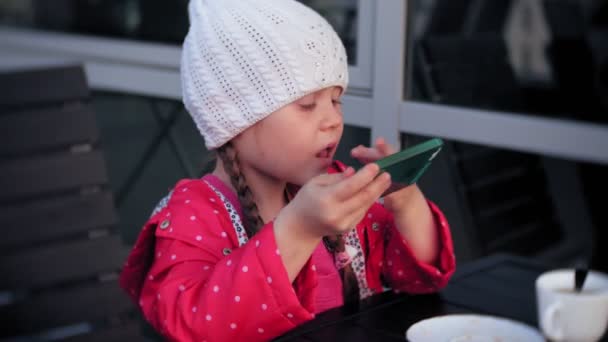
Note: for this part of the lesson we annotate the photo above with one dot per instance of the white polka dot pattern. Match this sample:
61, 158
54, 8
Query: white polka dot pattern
218, 287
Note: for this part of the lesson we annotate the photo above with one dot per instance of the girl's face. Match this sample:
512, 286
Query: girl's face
296, 142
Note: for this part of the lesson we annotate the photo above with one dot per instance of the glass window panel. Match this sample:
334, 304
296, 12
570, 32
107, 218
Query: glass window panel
540, 57
499, 200
143, 163
147, 20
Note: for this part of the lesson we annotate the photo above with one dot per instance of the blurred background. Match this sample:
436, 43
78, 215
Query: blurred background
518, 90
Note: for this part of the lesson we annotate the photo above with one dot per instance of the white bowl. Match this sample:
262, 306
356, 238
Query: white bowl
472, 328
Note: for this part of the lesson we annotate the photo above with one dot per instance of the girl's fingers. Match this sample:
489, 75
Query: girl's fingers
384, 148
366, 154
369, 194
350, 186
333, 178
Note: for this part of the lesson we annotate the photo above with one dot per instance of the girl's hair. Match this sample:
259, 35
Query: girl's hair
253, 221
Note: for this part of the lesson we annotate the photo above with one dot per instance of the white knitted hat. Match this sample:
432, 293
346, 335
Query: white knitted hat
244, 59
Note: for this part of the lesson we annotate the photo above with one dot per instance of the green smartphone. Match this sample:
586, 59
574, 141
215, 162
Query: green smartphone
407, 166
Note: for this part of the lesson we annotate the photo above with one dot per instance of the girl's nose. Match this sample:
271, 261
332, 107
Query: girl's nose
332, 117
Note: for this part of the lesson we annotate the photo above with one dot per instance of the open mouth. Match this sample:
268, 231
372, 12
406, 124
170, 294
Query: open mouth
327, 152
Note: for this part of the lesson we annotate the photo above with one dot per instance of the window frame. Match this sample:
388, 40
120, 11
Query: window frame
376, 86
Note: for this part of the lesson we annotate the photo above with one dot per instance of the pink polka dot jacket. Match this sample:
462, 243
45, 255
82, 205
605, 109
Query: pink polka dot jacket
196, 276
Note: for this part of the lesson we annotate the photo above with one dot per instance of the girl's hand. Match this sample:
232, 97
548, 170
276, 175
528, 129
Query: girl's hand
326, 205
334, 203
412, 214
366, 155
397, 195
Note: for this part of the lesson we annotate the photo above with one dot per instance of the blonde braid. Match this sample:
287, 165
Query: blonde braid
253, 222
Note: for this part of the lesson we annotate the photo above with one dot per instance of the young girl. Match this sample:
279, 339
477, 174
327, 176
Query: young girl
278, 231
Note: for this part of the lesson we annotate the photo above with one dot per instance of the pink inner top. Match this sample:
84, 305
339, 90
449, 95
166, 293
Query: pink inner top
329, 291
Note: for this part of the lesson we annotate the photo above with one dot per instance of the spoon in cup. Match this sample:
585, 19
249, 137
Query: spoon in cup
580, 274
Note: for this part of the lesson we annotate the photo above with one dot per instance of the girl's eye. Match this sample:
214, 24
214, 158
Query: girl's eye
310, 106
337, 102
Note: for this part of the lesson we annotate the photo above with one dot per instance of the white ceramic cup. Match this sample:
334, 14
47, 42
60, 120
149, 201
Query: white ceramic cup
565, 315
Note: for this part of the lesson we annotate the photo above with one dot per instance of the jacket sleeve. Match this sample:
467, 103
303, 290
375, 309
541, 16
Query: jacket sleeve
404, 272
202, 286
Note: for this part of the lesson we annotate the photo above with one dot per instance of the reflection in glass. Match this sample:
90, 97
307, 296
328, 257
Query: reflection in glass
503, 194
542, 57
147, 20
520, 203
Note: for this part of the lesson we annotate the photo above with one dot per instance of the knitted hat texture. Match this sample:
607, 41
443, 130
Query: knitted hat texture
244, 59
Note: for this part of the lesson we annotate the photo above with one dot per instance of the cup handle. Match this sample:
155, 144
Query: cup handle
549, 321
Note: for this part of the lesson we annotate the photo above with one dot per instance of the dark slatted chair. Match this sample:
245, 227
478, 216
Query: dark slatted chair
506, 192
60, 252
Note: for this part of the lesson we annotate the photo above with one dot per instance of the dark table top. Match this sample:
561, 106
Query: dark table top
500, 285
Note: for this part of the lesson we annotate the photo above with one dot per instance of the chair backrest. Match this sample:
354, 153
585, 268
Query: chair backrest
509, 199
505, 192
60, 252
